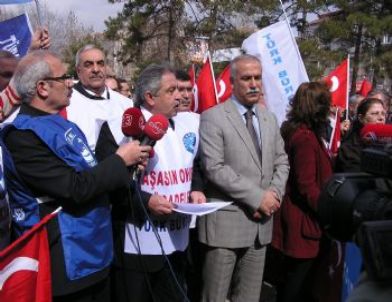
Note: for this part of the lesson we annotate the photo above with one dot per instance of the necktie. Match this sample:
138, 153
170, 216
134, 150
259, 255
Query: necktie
252, 131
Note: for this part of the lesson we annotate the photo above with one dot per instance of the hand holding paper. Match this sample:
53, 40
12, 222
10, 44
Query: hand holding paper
199, 209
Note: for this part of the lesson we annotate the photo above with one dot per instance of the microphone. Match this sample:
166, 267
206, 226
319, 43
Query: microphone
154, 129
379, 134
132, 123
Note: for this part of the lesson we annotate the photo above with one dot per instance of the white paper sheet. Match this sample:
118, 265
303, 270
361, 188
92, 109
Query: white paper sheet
199, 209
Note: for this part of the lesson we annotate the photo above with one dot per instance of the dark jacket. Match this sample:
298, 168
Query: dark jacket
296, 232
45, 174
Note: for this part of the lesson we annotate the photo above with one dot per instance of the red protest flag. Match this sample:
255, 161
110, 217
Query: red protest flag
206, 87
337, 81
335, 139
223, 85
366, 86
192, 75
25, 267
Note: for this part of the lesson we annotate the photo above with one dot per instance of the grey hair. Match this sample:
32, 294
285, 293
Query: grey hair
83, 49
31, 69
233, 64
150, 80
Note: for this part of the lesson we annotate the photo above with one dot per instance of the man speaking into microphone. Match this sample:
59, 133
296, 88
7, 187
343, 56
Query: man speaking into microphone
49, 164
140, 271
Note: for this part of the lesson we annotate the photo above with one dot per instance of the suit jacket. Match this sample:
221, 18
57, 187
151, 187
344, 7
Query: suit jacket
296, 231
234, 173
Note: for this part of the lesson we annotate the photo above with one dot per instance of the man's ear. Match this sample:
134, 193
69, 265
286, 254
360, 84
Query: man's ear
77, 69
149, 98
42, 89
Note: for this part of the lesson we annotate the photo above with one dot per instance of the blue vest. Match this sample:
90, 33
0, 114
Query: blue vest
86, 236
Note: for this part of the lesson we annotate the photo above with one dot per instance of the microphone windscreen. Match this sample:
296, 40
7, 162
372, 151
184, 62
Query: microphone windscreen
156, 127
132, 122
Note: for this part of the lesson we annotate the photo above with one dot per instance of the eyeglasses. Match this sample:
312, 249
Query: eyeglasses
64, 77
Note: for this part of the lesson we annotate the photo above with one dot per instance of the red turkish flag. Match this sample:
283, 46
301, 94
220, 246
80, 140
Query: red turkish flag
337, 81
25, 267
192, 75
335, 139
366, 86
223, 85
206, 88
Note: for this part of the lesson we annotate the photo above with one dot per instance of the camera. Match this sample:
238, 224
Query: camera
358, 207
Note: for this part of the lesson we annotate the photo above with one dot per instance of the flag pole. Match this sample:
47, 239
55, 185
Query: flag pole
38, 13
333, 129
291, 33
213, 77
348, 83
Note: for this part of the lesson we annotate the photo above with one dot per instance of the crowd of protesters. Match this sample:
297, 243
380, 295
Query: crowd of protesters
120, 239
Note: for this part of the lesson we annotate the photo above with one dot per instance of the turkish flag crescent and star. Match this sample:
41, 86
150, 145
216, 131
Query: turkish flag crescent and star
223, 85
206, 88
25, 267
337, 81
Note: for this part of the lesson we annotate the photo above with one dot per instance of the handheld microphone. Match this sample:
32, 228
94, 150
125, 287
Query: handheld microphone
376, 134
132, 123
154, 129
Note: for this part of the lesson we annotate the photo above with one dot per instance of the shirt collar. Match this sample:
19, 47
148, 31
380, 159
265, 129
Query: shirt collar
241, 108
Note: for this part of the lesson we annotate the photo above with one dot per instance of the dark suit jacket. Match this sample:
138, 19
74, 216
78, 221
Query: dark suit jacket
296, 232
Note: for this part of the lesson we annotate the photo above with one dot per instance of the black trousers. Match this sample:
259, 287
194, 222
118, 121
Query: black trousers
99, 292
158, 286
296, 284
195, 260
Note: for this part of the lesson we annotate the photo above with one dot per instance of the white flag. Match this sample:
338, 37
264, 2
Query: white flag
282, 67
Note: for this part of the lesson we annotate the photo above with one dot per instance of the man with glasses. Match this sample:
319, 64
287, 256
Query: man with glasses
49, 164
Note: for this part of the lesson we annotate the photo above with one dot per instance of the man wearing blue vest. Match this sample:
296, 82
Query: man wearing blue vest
48, 164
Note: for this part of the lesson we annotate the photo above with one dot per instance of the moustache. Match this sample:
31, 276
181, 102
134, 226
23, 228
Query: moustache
252, 91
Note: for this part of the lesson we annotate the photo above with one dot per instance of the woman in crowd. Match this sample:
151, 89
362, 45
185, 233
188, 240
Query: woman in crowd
296, 231
370, 110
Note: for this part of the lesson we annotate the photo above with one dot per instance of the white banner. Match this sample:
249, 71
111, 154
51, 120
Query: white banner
282, 67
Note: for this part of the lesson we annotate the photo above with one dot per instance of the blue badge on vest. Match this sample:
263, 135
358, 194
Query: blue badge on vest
76, 142
189, 141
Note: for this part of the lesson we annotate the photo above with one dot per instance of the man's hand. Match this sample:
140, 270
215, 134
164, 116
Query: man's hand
269, 204
344, 126
40, 39
159, 205
198, 197
133, 153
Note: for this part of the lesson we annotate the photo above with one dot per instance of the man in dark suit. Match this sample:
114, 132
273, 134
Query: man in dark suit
245, 163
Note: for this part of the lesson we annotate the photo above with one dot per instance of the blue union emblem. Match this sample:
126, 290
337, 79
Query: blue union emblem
189, 141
